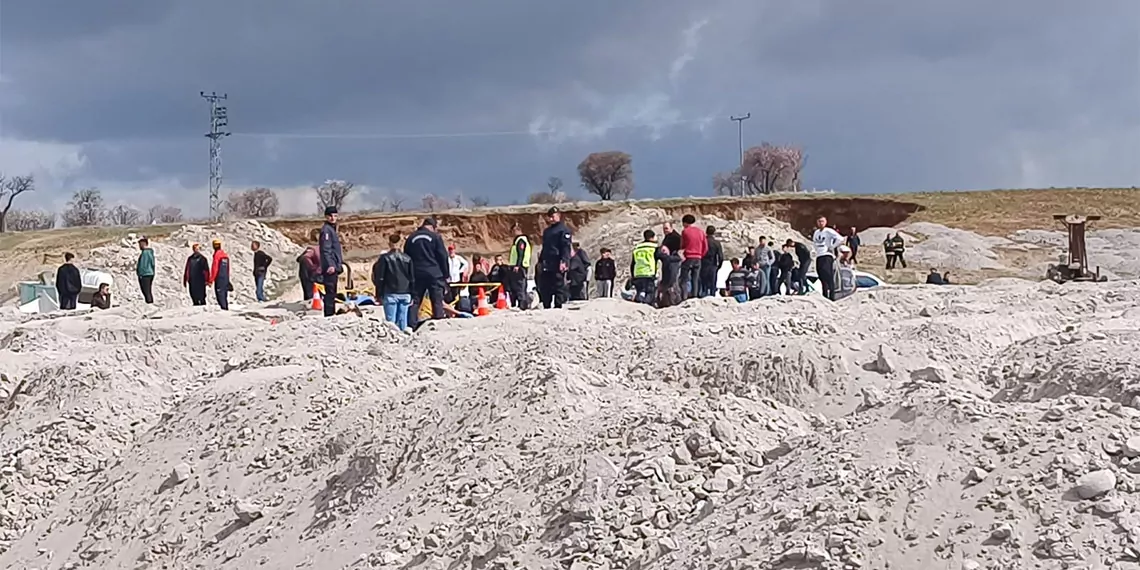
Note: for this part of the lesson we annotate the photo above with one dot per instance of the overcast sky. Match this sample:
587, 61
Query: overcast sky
884, 95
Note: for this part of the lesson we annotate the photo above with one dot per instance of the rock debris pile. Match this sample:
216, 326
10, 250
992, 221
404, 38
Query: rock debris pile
944, 427
170, 261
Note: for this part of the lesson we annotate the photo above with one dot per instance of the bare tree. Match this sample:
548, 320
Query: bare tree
554, 184
433, 203
726, 183
546, 197
333, 193
396, 203
122, 215
253, 203
772, 168
30, 220
9, 189
607, 174
163, 215
479, 201
84, 209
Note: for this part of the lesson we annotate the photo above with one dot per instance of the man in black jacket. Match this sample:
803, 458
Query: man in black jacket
578, 273
670, 238
710, 263
430, 268
261, 261
605, 272
196, 275
68, 283
332, 259
554, 261
392, 276
803, 255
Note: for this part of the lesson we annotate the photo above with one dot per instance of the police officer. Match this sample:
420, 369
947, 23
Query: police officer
430, 269
332, 259
518, 261
554, 260
643, 268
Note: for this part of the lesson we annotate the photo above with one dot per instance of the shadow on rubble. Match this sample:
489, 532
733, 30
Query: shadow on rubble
347, 489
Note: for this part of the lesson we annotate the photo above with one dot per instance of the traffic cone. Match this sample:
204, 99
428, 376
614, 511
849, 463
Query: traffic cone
318, 303
501, 302
482, 309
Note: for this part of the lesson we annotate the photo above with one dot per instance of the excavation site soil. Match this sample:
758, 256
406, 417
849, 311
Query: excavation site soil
993, 426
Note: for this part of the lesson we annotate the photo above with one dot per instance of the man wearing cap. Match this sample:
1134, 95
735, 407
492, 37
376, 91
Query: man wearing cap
220, 275
430, 268
332, 259
554, 260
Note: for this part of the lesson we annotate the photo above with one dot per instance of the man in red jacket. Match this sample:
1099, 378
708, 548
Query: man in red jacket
694, 246
220, 275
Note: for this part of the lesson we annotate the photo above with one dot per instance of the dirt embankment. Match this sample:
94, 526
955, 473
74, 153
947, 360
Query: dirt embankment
479, 231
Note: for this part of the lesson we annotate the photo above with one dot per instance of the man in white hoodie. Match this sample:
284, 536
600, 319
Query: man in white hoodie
825, 242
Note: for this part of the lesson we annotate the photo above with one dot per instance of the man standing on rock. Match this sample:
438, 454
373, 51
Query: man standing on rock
68, 283
519, 261
764, 257
694, 246
578, 272
332, 259
710, 263
144, 268
196, 275
853, 242
220, 276
554, 260
309, 266
825, 240
643, 269
261, 261
430, 268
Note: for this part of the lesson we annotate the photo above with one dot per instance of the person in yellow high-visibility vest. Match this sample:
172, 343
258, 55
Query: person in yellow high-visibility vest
643, 268
518, 260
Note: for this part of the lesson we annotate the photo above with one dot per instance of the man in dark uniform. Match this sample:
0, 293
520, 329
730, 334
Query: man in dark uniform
554, 260
430, 269
196, 275
332, 259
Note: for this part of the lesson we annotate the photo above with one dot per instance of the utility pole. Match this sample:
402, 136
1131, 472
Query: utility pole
740, 141
219, 121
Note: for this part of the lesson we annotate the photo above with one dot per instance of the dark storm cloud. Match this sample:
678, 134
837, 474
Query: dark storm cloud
884, 95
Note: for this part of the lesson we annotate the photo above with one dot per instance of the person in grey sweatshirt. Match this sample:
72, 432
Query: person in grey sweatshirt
765, 257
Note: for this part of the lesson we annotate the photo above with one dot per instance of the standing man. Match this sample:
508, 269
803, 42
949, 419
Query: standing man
554, 260
826, 241
332, 259
196, 275
853, 242
670, 238
220, 276
605, 272
392, 276
803, 262
898, 247
430, 267
457, 266
579, 272
519, 261
889, 252
309, 265
710, 263
643, 269
694, 246
261, 261
764, 258
68, 283
144, 268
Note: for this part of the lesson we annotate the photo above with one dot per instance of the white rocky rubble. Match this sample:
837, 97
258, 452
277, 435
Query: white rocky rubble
908, 427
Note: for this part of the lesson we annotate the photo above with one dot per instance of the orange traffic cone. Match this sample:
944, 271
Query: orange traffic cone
482, 309
318, 303
501, 303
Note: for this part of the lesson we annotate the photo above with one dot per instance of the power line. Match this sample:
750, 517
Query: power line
219, 121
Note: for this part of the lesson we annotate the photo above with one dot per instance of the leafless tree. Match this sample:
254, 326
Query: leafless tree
253, 203
9, 189
122, 215
480, 201
554, 184
163, 215
726, 183
772, 168
84, 209
396, 203
333, 193
607, 174
30, 220
546, 197
433, 203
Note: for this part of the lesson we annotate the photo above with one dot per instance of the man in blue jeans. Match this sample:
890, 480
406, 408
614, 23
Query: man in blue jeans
392, 278
261, 261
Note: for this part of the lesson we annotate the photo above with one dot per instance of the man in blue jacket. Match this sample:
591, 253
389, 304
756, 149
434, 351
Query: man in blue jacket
430, 268
332, 259
554, 260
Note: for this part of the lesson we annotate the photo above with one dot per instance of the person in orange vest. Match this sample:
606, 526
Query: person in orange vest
220, 276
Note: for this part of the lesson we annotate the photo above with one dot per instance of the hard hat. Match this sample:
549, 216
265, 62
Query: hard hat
217, 242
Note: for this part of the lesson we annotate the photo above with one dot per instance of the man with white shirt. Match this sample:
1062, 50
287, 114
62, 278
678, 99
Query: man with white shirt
457, 266
825, 241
